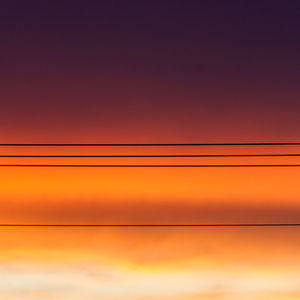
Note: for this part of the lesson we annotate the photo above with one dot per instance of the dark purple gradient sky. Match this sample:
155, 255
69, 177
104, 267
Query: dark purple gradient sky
149, 71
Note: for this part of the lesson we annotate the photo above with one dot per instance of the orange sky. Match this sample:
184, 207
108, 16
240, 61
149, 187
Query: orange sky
147, 195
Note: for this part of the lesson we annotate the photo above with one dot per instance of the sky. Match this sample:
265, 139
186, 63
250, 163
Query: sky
149, 72
151, 263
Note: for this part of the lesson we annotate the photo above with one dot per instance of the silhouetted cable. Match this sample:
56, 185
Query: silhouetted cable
151, 155
146, 144
147, 166
156, 225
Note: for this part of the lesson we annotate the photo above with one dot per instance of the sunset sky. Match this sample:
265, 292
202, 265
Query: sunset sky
149, 72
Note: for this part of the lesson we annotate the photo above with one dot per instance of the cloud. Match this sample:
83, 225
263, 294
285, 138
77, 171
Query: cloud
144, 211
74, 282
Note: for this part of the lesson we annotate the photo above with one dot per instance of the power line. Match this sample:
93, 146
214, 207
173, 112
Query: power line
157, 225
147, 166
151, 155
147, 144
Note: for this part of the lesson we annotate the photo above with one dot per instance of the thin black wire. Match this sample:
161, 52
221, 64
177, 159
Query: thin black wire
150, 155
148, 166
146, 144
156, 225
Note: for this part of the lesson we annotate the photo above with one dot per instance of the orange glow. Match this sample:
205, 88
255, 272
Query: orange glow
160, 195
